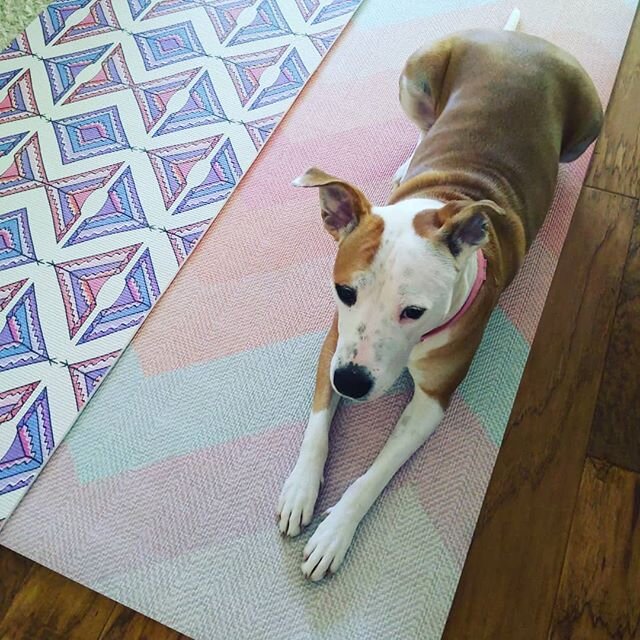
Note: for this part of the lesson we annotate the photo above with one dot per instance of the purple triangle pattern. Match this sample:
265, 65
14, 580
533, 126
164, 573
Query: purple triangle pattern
32, 445
202, 107
268, 23
293, 75
20, 101
138, 7
223, 176
335, 9
26, 171
9, 291
67, 195
307, 7
113, 76
88, 374
245, 70
323, 41
122, 211
17, 48
260, 130
12, 400
140, 292
80, 281
63, 70
7, 77
21, 339
224, 15
55, 16
9, 143
184, 239
153, 96
167, 7
173, 164
101, 19
16, 245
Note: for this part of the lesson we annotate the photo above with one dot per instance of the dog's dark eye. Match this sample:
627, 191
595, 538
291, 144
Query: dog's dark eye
346, 294
412, 313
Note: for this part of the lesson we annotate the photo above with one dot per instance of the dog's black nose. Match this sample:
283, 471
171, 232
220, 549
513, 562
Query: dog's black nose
352, 381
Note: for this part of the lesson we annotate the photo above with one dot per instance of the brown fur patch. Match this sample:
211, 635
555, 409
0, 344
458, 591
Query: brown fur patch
322, 394
357, 251
425, 223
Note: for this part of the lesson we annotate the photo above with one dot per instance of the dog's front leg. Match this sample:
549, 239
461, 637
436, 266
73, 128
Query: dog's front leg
300, 491
329, 544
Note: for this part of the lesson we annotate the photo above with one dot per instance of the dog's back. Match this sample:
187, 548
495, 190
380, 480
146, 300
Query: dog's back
498, 108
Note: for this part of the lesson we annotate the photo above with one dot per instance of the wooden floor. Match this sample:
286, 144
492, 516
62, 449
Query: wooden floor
556, 553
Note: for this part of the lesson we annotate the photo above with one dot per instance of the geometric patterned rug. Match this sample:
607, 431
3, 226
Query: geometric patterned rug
163, 494
125, 125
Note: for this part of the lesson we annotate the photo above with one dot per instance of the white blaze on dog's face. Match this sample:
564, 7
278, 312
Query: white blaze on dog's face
394, 277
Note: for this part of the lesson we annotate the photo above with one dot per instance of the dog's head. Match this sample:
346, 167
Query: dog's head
395, 276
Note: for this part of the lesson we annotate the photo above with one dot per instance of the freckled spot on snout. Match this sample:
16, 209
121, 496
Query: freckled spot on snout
362, 327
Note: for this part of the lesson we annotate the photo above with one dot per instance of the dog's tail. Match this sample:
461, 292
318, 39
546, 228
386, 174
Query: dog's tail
513, 21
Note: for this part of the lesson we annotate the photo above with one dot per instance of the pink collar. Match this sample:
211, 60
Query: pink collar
481, 276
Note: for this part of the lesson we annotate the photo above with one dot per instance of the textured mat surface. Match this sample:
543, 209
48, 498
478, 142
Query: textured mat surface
124, 127
163, 495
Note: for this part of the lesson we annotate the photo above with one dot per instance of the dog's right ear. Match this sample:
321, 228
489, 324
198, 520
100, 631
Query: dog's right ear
342, 205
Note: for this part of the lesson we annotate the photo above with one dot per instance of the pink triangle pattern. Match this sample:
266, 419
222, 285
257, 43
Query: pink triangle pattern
80, 281
307, 8
88, 374
9, 291
268, 23
20, 101
184, 239
67, 195
167, 7
12, 400
245, 70
260, 130
173, 164
26, 171
114, 75
17, 48
323, 41
100, 19
140, 292
224, 16
153, 96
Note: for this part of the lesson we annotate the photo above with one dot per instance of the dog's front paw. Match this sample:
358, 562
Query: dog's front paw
328, 546
297, 500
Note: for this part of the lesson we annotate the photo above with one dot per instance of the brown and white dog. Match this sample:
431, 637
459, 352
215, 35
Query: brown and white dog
497, 111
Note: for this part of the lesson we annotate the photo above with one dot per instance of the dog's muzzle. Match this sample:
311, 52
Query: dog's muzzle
353, 381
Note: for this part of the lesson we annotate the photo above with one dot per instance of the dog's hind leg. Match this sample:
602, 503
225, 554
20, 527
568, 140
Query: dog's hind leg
420, 87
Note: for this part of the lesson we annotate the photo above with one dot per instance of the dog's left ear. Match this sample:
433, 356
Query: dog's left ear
464, 225
342, 205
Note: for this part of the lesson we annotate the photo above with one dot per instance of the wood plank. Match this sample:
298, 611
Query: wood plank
509, 580
615, 435
598, 593
616, 160
14, 569
125, 623
49, 606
